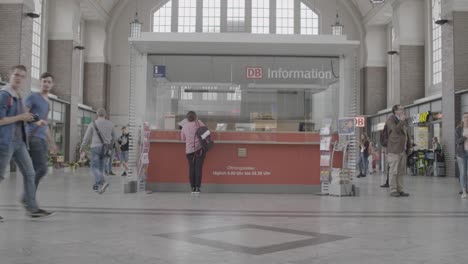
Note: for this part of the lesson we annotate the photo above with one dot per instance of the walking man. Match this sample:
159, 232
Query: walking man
397, 148
101, 136
124, 141
40, 139
13, 139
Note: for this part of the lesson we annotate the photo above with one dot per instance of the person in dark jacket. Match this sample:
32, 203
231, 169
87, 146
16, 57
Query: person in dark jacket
461, 135
363, 156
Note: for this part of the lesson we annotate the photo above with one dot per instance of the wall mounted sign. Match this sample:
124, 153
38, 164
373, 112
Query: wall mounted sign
159, 71
287, 74
425, 117
360, 121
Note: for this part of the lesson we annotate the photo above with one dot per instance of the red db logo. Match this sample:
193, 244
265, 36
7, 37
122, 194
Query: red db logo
254, 72
360, 121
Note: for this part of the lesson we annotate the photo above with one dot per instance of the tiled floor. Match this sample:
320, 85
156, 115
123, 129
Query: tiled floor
428, 227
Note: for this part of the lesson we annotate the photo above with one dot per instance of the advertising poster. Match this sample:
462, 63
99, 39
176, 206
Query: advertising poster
421, 137
346, 126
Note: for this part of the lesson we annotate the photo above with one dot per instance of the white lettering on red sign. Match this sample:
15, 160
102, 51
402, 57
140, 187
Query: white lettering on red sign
254, 72
360, 121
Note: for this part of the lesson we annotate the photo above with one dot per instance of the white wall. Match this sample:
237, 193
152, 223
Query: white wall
376, 41
118, 48
409, 20
64, 20
95, 41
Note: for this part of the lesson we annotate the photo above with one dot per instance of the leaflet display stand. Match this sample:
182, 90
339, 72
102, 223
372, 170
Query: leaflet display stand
340, 184
325, 156
143, 158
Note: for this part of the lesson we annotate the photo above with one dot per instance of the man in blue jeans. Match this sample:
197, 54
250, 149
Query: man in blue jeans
99, 133
39, 135
13, 139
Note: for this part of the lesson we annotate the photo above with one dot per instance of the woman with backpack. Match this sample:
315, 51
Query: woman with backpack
193, 150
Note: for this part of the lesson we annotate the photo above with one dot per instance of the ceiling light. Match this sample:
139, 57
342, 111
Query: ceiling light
33, 15
441, 22
376, 2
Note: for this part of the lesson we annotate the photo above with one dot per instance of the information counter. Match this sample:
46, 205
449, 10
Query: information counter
251, 162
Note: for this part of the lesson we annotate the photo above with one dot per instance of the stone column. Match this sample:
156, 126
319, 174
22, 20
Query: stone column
408, 63
96, 70
16, 37
64, 62
454, 74
374, 74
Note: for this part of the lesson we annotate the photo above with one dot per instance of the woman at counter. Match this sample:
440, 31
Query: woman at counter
193, 150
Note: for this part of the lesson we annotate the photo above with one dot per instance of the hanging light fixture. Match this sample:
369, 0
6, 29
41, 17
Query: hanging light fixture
337, 28
135, 25
376, 2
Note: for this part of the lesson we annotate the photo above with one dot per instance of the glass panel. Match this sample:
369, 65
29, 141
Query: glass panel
246, 93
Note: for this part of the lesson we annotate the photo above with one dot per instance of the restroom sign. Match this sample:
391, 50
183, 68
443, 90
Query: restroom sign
254, 73
361, 121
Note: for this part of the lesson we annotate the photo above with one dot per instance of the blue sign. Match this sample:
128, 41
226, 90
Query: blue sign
159, 71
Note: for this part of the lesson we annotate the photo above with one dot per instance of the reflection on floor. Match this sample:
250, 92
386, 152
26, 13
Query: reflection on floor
428, 227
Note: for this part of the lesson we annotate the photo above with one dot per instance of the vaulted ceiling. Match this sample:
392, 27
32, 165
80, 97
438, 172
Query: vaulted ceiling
102, 9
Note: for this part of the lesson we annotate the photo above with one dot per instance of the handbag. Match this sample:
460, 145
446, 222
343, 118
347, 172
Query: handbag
106, 150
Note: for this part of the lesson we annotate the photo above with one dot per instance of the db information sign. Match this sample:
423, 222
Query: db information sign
361, 121
254, 73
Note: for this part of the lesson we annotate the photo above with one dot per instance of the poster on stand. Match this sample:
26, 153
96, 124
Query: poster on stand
346, 126
325, 143
324, 160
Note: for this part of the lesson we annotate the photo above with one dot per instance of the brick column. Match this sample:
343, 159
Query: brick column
454, 76
374, 89
412, 82
409, 63
16, 37
96, 85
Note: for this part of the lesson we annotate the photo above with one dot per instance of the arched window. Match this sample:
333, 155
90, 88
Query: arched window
162, 18
36, 42
211, 15
233, 16
309, 21
261, 16
436, 44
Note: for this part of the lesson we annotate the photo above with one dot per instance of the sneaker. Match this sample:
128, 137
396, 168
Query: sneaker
2, 219
403, 194
96, 188
124, 173
112, 173
103, 188
464, 196
41, 214
193, 189
395, 194
197, 190
384, 185
23, 203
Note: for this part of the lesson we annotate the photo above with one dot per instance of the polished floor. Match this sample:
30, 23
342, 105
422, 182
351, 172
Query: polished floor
430, 226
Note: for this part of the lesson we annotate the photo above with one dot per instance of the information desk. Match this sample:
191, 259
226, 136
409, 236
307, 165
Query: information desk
254, 162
